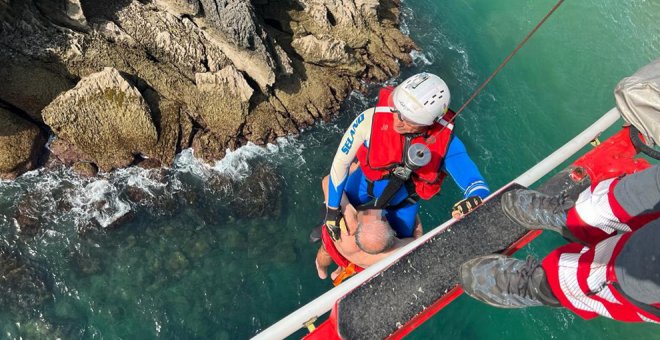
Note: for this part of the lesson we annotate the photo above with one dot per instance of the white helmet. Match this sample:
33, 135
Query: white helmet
421, 98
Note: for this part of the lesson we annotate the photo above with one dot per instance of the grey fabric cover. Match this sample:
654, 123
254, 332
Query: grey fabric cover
638, 100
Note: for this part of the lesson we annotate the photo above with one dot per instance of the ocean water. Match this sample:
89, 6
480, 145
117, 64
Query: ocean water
220, 251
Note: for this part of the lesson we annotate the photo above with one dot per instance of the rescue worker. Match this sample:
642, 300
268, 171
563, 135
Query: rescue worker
405, 147
366, 238
616, 275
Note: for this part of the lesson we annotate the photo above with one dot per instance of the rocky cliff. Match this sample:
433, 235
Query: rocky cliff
118, 82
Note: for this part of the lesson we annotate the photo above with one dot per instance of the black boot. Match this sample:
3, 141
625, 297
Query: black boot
506, 282
534, 210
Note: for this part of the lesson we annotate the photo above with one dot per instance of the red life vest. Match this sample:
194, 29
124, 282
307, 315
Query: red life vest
386, 148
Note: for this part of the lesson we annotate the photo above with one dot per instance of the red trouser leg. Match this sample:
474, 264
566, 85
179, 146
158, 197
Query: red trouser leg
598, 214
581, 278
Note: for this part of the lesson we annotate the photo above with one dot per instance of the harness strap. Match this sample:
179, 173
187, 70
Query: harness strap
392, 187
384, 199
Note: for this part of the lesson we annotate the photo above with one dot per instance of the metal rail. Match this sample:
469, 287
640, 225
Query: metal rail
325, 302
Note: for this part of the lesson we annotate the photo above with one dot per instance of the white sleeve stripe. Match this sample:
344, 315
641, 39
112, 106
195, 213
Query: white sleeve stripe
475, 188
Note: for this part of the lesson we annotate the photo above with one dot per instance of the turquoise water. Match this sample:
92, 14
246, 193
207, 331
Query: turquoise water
221, 252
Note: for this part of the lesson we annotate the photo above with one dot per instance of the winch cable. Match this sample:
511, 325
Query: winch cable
506, 60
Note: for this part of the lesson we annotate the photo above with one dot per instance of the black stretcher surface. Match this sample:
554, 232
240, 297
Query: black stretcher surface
383, 304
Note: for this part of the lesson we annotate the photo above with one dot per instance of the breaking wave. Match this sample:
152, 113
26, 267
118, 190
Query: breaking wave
420, 58
60, 195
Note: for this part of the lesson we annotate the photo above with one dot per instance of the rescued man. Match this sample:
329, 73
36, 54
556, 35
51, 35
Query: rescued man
366, 238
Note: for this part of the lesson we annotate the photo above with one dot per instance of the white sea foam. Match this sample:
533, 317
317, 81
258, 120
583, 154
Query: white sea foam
406, 16
100, 201
236, 163
420, 58
360, 97
467, 77
139, 178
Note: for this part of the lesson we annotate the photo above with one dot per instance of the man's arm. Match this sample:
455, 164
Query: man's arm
356, 135
463, 171
418, 231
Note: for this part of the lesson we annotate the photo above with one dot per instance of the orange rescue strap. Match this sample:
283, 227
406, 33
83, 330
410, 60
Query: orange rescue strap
345, 274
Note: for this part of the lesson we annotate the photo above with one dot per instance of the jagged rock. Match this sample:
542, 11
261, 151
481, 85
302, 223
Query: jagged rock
236, 19
317, 101
176, 41
289, 63
66, 153
226, 82
326, 51
360, 24
66, 13
149, 163
87, 117
180, 7
221, 110
174, 129
114, 33
85, 169
29, 86
118, 221
21, 143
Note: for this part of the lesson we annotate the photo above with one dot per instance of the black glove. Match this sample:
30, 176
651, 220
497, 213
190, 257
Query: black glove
463, 207
332, 219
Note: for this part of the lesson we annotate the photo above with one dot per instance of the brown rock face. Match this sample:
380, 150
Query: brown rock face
85, 169
105, 117
154, 77
21, 143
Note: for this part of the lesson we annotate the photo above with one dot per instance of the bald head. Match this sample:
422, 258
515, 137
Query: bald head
373, 234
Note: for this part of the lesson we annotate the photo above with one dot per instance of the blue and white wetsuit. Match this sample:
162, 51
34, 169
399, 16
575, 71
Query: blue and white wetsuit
457, 164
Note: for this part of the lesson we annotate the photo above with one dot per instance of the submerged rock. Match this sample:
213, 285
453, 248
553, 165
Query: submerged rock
39, 329
86, 258
23, 289
259, 195
177, 263
30, 213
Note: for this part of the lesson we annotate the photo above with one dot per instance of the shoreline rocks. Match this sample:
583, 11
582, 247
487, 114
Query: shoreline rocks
21, 143
105, 117
116, 82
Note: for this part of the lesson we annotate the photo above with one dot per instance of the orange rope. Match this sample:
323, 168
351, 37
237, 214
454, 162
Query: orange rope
497, 70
